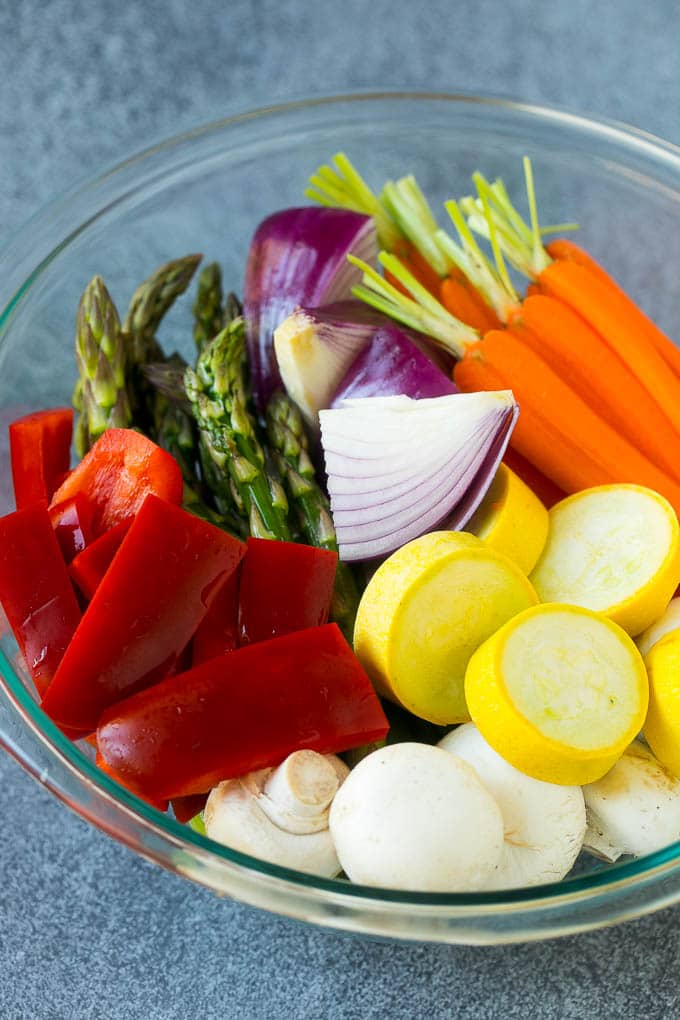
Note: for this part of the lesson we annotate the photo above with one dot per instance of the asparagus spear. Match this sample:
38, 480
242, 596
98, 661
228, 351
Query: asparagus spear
174, 427
208, 314
100, 395
177, 433
151, 301
217, 392
233, 308
288, 440
148, 305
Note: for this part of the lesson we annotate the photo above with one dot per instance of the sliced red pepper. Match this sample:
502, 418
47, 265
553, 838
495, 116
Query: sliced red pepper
186, 808
72, 523
40, 450
36, 592
160, 805
118, 473
218, 632
89, 566
143, 614
285, 587
246, 710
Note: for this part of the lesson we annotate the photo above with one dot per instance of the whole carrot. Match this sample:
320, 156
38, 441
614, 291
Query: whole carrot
577, 287
604, 381
577, 281
564, 250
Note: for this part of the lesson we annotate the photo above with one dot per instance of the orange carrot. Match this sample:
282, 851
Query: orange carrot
418, 265
565, 250
454, 291
592, 369
556, 430
599, 305
461, 299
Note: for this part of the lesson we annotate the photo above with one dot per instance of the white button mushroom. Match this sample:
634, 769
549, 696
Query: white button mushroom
411, 816
544, 823
280, 815
634, 809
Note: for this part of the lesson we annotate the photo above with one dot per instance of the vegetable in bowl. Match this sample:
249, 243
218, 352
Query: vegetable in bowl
249, 470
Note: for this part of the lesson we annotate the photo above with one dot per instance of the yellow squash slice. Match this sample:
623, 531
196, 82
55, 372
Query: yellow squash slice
425, 611
662, 729
559, 692
512, 520
614, 549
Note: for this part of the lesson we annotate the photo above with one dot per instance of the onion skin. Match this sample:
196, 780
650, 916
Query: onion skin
298, 256
390, 364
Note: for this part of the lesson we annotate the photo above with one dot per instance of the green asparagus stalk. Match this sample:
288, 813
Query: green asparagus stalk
151, 301
177, 433
217, 392
100, 396
148, 305
288, 440
233, 309
208, 314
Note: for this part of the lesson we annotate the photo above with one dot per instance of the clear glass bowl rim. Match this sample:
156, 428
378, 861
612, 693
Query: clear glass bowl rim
659, 866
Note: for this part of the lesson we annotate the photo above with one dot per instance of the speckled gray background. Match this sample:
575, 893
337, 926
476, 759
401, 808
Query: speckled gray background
86, 928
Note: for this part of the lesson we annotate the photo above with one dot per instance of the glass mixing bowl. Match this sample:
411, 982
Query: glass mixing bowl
206, 191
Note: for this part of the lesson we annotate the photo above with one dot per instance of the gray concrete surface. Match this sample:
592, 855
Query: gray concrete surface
86, 928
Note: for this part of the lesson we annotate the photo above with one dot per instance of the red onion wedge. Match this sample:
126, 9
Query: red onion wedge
298, 257
348, 349
393, 362
399, 467
315, 347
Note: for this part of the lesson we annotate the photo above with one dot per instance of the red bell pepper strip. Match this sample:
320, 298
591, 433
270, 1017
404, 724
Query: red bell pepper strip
284, 587
152, 598
186, 808
218, 632
90, 565
117, 474
35, 591
72, 523
246, 710
160, 805
40, 450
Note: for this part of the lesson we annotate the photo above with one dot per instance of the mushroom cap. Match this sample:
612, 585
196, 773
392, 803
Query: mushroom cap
411, 816
636, 807
544, 824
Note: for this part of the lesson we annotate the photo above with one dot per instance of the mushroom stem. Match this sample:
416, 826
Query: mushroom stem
297, 795
280, 815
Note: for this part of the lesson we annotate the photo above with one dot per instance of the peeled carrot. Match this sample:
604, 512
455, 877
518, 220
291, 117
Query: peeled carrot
461, 299
565, 250
556, 430
455, 291
418, 266
592, 369
600, 306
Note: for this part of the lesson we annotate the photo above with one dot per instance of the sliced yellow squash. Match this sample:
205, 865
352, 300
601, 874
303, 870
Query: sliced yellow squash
512, 520
559, 692
425, 611
614, 549
662, 728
